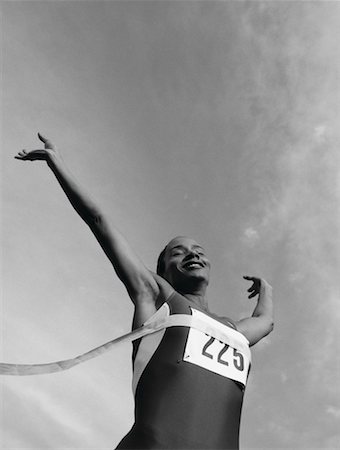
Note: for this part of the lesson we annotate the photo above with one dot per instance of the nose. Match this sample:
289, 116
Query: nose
193, 253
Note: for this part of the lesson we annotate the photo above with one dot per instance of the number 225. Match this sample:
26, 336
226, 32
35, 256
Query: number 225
237, 356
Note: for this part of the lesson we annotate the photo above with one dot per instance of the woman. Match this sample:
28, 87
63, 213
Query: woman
189, 379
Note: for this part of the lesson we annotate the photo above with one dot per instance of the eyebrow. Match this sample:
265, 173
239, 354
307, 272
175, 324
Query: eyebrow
183, 247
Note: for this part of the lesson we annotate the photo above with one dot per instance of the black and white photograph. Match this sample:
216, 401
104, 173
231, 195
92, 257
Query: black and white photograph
170, 225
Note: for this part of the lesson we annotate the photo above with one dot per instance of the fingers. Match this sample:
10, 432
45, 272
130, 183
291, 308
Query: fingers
253, 294
259, 286
246, 277
42, 138
253, 279
46, 141
32, 155
21, 155
255, 288
40, 154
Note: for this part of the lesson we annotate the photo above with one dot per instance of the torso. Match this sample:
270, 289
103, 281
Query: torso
181, 405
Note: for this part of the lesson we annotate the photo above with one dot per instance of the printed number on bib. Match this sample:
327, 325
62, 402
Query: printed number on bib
216, 356
225, 355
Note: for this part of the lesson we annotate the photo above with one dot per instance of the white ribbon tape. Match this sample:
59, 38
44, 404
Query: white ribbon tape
230, 336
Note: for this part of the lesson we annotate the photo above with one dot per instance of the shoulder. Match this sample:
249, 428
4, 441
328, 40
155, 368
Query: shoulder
225, 320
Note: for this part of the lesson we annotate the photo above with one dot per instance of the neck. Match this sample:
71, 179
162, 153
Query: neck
196, 294
198, 300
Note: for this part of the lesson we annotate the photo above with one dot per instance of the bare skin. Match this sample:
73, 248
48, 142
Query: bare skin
187, 267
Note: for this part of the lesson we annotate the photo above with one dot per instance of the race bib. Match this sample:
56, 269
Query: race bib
215, 355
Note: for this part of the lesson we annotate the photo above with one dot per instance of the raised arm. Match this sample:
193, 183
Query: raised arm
262, 321
138, 280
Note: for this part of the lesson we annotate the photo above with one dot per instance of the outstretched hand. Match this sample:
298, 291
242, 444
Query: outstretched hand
40, 154
256, 286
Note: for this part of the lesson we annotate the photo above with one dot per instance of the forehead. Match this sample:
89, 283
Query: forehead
183, 241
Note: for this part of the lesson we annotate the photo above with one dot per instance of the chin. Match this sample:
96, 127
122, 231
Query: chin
196, 276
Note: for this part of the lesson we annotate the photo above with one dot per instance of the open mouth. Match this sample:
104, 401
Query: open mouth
193, 265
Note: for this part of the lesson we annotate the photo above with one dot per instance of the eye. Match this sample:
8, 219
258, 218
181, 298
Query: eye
177, 253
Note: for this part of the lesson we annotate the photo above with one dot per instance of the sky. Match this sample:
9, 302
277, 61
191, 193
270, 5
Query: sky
213, 119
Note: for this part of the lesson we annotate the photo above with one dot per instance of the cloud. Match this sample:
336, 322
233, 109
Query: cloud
250, 236
320, 133
284, 377
333, 411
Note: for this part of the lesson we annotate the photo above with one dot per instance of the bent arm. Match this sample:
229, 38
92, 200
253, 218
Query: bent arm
261, 323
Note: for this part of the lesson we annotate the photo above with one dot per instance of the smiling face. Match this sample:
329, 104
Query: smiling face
185, 263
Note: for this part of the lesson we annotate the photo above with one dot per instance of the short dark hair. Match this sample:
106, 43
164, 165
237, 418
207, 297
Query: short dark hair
161, 263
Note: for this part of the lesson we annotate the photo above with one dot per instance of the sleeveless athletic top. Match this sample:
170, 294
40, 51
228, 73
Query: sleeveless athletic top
183, 404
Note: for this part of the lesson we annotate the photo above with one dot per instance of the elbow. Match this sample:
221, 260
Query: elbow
270, 325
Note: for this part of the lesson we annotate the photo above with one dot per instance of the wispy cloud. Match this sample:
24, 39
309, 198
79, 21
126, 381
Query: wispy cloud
333, 411
250, 236
320, 133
